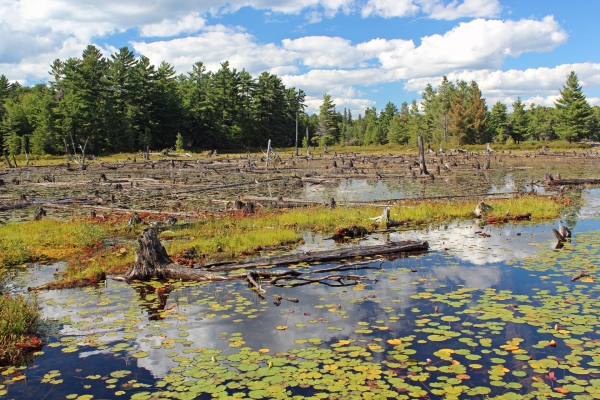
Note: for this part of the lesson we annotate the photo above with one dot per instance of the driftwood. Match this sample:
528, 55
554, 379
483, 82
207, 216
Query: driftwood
325, 255
422, 165
558, 235
581, 274
39, 214
152, 262
507, 218
573, 182
385, 218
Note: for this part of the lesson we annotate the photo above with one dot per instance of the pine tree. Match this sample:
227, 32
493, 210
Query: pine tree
326, 129
179, 142
499, 122
398, 128
573, 113
518, 123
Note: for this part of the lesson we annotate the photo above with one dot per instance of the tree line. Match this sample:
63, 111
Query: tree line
456, 113
124, 103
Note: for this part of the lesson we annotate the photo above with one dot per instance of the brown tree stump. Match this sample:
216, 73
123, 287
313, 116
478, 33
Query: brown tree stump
152, 261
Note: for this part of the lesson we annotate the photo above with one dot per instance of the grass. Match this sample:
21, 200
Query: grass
237, 236
231, 236
48, 240
19, 327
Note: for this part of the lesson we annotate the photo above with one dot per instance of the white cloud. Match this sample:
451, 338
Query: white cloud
216, 46
533, 85
390, 8
468, 8
436, 9
477, 44
170, 27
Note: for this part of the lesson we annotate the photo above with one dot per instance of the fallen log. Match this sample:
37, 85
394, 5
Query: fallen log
322, 256
581, 274
507, 218
573, 182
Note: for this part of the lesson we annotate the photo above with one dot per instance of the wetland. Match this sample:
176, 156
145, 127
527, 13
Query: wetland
491, 310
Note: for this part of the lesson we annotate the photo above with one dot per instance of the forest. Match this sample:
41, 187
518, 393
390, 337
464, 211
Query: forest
123, 103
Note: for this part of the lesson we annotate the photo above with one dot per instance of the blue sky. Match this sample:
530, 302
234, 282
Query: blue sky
363, 52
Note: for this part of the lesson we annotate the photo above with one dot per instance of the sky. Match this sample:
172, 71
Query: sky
364, 53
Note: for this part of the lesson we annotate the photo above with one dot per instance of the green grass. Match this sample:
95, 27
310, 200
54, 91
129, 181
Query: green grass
48, 240
231, 236
234, 236
19, 327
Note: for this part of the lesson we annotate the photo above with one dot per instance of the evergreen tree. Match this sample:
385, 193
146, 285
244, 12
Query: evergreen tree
518, 121
541, 122
326, 129
398, 127
179, 146
415, 122
573, 113
499, 122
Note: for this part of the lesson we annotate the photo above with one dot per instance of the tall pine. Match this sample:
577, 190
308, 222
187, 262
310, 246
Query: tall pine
573, 113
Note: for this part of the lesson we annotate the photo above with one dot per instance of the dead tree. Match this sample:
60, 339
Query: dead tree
152, 261
7, 160
422, 165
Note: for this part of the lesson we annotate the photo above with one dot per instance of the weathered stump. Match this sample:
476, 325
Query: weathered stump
152, 261
39, 214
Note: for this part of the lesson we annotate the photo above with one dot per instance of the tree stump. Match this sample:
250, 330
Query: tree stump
152, 261
39, 214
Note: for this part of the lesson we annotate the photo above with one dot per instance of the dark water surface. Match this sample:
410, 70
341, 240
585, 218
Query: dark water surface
489, 311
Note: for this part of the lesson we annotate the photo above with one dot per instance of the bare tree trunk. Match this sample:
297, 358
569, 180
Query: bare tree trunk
422, 165
268, 153
7, 160
296, 150
82, 166
307, 145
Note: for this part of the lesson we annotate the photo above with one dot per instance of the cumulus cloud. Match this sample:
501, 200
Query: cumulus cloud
533, 85
476, 44
170, 27
39, 31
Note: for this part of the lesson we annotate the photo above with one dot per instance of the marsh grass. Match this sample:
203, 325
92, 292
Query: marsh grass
19, 327
231, 236
48, 240
236, 235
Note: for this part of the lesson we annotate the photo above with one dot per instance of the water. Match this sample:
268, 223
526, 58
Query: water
475, 316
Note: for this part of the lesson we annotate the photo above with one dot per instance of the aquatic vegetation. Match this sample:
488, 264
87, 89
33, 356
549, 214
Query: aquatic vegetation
406, 336
19, 327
